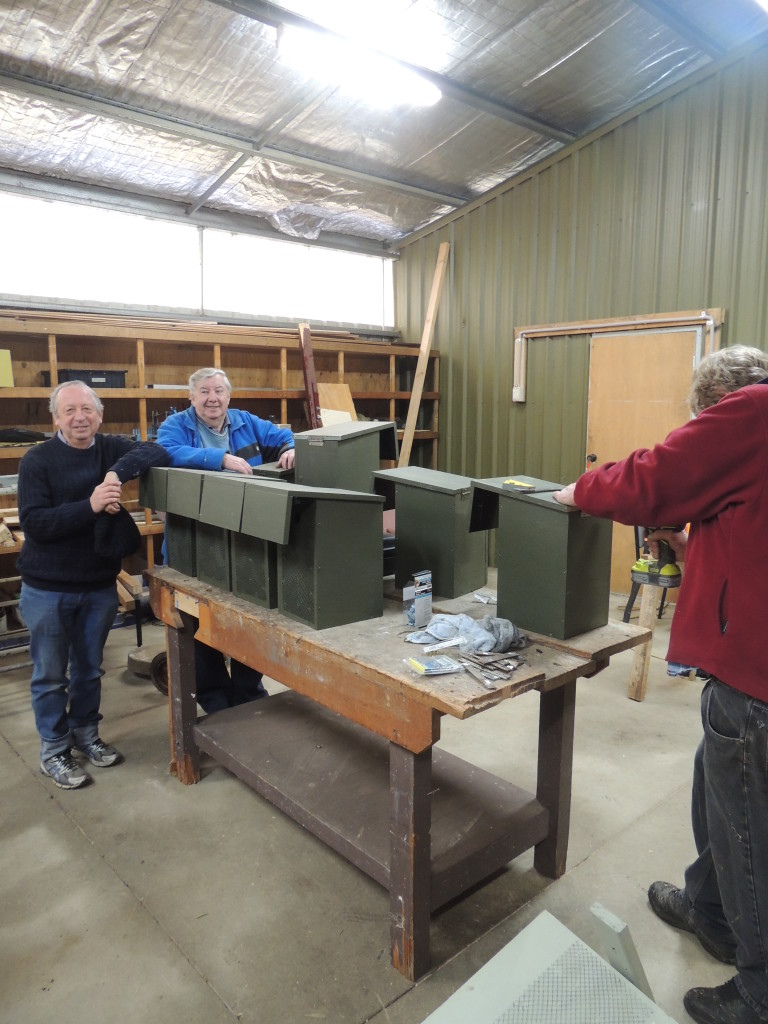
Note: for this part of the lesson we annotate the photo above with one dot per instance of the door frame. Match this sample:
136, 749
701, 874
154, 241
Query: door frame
712, 319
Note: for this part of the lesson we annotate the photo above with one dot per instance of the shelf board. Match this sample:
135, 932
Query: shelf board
362, 396
182, 393
146, 349
14, 451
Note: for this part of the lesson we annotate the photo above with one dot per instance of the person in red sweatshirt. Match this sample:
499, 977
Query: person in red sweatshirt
713, 473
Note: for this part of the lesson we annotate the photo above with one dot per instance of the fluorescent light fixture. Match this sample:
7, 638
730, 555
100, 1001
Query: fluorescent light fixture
372, 78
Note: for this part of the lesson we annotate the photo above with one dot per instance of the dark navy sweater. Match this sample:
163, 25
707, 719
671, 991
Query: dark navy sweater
55, 486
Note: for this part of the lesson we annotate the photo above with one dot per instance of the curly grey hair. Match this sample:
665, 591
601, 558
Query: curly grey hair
724, 371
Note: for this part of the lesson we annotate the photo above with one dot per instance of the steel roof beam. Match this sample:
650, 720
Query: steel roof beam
684, 28
222, 140
37, 186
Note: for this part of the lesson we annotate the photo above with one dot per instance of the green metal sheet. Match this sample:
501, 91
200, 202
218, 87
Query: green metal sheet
664, 210
267, 505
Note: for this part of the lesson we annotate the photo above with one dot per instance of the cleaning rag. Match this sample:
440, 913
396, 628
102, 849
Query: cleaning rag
488, 635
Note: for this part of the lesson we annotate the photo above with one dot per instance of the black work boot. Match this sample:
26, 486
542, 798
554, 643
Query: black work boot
721, 1005
673, 907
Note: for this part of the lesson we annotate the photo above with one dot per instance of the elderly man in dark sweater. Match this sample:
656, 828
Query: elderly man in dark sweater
69, 508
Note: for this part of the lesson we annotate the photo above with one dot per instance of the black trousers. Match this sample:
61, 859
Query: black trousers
218, 688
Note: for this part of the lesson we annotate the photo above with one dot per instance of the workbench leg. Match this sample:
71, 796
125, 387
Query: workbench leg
182, 701
555, 770
410, 867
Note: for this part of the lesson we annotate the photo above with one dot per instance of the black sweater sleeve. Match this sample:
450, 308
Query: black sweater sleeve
55, 487
133, 457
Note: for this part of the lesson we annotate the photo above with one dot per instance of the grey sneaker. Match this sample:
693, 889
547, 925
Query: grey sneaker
65, 771
99, 753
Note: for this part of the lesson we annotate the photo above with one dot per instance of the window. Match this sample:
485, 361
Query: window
66, 253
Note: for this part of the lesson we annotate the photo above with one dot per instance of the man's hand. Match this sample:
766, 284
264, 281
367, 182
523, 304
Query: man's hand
677, 540
565, 496
287, 460
236, 465
106, 495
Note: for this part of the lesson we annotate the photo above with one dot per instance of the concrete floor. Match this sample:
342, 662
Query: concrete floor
142, 900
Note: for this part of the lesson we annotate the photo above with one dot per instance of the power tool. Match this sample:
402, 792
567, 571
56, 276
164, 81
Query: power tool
662, 571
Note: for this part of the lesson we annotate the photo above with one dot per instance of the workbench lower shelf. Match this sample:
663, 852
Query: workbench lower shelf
334, 778
424, 824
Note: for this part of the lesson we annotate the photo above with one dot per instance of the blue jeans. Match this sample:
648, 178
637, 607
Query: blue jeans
67, 630
728, 881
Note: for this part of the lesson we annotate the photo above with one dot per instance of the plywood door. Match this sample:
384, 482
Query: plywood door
638, 388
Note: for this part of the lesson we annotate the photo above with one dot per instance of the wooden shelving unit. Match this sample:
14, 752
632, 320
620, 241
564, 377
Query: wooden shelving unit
157, 358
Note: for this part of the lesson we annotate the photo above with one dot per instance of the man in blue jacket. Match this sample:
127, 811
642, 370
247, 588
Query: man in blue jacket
210, 435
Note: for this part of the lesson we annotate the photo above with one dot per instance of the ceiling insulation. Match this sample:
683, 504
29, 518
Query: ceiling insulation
191, 107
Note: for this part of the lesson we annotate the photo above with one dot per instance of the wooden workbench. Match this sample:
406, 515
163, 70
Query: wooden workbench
349, 750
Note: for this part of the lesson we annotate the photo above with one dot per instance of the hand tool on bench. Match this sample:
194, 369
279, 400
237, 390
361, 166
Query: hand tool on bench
523, 488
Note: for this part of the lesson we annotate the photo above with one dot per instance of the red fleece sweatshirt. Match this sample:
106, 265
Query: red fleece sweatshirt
713, 474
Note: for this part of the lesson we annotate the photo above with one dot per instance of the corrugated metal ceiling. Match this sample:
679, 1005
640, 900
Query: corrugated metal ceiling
187, 108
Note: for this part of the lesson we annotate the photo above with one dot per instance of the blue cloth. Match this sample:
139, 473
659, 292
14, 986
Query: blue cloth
488, 635
728, 882
180, 437
67, 629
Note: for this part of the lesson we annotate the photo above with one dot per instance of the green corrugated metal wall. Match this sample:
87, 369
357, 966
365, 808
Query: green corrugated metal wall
664, 211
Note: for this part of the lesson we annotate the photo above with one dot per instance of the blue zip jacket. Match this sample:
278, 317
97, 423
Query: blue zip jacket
252, 438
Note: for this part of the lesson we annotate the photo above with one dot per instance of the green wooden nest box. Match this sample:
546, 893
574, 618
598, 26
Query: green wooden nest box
432, 515
554, 562
329, 572
344, 454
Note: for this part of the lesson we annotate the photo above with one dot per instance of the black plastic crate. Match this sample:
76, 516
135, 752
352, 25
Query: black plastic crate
95, 378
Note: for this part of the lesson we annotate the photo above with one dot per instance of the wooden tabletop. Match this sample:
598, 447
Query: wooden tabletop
375, 650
